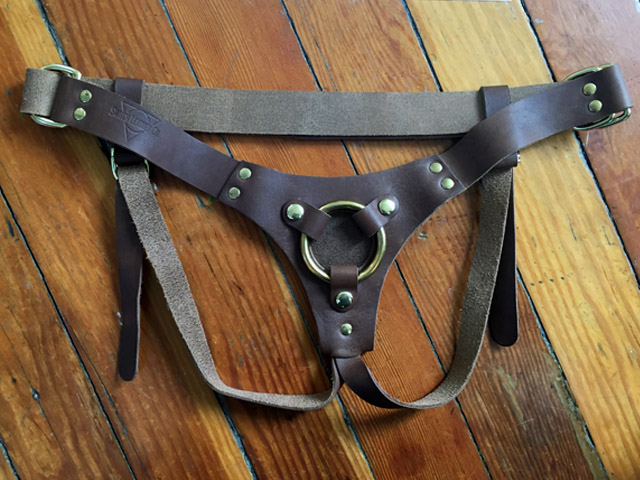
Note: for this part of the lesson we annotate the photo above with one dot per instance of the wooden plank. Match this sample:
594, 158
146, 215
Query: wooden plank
41, 379
58, 184
187, 408
601, 32
506, 421
269, 57
569, 256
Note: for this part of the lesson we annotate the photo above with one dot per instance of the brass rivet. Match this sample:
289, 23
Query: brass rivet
595, 106
344, 300
79, 113
589, 89
386, 206
244, 173
346, 329
435, 167
85, 96
233, 193
295, 211
447, 183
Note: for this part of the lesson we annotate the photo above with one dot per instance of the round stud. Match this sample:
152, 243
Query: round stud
79, 113
295, 211
595, 106
244, 173
589, 89
346, 329
435, 167
344, 300
386, 206
85, 96
447, 183
233, 193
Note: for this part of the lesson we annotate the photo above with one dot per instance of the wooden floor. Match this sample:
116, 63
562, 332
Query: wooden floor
562, 403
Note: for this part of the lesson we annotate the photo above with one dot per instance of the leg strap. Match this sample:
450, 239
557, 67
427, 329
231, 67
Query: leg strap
477, 302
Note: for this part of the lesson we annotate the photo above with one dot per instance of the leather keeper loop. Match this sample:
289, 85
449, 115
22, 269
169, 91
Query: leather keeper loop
371, 218
305, 218
344, 289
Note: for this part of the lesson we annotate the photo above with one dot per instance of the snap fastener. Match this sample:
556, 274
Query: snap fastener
435, 167
346, 329
447, 183
295, 211
386, 206
233, 193
344, 300
79, 113
244, 173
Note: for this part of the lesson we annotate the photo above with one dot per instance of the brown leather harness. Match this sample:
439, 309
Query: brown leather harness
341, 234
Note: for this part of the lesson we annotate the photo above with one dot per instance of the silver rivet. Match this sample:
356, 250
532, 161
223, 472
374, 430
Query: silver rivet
435, 167
447, 183
344, 300
244, 173
233, 193
386, 206
79, 113
85, 96
518, 158
346, 329
295, 211
595, 106
589, 89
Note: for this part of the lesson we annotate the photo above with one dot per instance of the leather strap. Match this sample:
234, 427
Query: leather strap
475, 310
312, 114
129, 251
503, 316
154, 235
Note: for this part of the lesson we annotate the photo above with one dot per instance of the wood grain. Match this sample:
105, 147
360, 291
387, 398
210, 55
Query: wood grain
601, 32
41, 379
271, 58
569, 255
58, 184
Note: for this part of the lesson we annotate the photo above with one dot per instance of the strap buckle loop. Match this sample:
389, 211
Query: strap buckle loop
607, 121
65, 70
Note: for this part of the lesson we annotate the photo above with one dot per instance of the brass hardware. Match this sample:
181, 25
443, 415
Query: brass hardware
244, 173
322, 272
605, 122
386, 206
589, 89
65, 70
346, 329
79, 113
435, 167
344, 300
114, 165
447, 183
295, 211
233, 193
85, 96
595, 106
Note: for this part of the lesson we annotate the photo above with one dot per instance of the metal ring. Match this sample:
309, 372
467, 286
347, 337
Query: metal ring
609, 120
322, 272
65, 70
114, 165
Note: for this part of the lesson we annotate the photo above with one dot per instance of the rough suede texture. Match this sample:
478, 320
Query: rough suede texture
157, 243
269, 112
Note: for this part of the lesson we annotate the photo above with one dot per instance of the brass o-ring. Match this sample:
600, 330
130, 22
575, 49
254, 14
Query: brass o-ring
322, 272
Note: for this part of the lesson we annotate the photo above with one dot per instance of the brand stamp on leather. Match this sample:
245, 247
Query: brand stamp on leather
136, 121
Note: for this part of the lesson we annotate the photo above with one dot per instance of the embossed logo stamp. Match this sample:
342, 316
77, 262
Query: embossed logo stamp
135, 121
